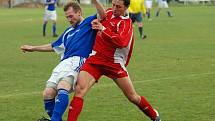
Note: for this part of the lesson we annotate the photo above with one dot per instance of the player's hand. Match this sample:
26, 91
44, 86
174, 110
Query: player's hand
27, 48
96, 25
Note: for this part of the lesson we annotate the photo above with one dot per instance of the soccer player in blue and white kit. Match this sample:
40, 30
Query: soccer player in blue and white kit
163, 4
148, 4
74, 45
50, 14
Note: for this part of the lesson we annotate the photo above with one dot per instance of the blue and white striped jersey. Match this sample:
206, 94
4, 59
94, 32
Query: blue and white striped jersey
76, 41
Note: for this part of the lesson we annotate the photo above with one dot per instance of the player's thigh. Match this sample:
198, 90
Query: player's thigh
67, 72
67, 83
160, 4
139, 17
165, 5
53, 16
84, 83
46, 16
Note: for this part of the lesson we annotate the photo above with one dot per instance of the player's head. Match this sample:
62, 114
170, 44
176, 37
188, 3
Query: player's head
73, 12
119, 7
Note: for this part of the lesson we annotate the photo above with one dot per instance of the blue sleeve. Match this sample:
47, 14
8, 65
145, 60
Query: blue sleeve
59, 41
91, 18
58, 45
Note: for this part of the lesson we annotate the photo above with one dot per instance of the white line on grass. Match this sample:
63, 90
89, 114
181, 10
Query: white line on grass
111, 84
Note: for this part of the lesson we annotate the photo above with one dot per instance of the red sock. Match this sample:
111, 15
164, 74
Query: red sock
75, 108
147, 108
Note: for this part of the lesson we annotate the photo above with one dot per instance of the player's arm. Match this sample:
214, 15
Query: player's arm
40, 48
121, 37
100, 9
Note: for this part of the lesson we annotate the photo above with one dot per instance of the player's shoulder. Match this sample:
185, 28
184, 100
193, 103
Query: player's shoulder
109, 11
90, 17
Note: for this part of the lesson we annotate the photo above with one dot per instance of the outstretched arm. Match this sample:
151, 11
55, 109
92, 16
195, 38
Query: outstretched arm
100, 9
40, 48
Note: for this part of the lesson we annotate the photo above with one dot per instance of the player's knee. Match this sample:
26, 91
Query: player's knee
80, 89
67, 83
139, 24
49, 93
45, 22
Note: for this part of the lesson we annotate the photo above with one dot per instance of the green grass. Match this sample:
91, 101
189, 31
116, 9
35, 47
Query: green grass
174, 68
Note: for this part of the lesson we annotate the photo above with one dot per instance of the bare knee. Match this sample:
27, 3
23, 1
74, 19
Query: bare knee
49, 93
66, 83
80, 90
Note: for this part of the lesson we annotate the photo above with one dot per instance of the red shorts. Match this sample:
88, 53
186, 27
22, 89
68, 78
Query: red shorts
97, 68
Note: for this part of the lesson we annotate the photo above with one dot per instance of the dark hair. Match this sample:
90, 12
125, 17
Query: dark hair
76, 7
126, 3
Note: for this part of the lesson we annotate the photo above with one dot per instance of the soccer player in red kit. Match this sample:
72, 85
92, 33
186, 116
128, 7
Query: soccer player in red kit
111, 53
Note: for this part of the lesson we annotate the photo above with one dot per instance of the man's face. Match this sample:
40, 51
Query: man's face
118, 7
72, 16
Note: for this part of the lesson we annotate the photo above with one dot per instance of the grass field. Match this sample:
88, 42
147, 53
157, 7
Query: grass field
174, 68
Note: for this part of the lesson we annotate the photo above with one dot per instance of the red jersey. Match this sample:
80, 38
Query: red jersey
114, 44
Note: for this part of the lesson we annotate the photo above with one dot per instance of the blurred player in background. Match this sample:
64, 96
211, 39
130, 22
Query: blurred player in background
74, 45
50, 14
136, 11
148, 4
163, 4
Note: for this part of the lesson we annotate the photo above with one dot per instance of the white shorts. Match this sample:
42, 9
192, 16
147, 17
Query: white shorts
163, 4
148, 4
68, 67
50, 15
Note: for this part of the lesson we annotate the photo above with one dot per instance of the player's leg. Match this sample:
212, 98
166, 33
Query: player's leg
127, 88
148, 13
169, 13
166, 6
46, 18
139, 19
158, 12
84, 83
148, 9
66, 77
160, 6
54, 20
50, 91
62, 98
44, 27
49, 95
54, 28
